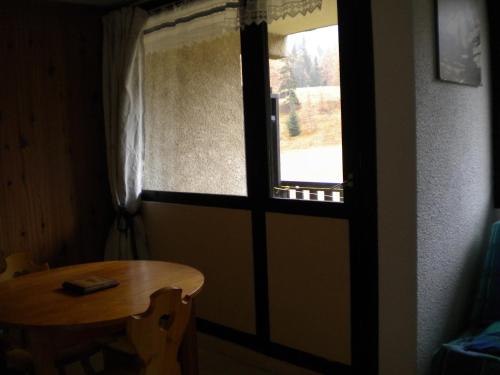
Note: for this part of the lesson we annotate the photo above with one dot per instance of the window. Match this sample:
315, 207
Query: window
306, 138
194, 115
194, 112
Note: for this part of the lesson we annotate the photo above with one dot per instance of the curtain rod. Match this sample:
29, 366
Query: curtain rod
194, 16
150, 6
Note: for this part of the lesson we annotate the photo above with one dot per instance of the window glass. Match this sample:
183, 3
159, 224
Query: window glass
306, 96
194, 116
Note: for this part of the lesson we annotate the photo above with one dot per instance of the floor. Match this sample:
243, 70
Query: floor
219, 357
212, 363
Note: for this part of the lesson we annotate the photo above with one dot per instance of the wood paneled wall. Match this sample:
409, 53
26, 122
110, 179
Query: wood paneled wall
54, 195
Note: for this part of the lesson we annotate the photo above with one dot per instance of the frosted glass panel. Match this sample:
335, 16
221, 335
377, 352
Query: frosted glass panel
194, 117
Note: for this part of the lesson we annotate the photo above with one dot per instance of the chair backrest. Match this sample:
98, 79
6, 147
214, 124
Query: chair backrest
158, 333
18, 264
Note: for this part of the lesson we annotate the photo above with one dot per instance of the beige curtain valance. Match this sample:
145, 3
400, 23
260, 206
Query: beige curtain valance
192, 22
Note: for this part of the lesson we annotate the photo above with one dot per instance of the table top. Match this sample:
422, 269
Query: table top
37, 299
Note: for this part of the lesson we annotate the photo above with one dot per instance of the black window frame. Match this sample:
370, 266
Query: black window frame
268, 170
493, 9
359, 207
280, 189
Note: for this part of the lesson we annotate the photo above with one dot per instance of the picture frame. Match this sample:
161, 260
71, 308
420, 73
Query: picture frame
459, 41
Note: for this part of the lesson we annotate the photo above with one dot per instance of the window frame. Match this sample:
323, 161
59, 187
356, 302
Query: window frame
276, 183
259, 152
360, 206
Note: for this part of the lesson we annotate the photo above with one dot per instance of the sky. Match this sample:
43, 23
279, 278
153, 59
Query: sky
324, 37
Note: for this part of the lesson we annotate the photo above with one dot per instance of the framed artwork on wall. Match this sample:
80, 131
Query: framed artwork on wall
459, 41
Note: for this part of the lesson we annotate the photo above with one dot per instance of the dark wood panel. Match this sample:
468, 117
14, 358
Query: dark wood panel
54, 197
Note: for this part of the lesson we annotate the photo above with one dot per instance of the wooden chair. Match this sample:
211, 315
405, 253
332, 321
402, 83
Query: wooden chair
18, 264
19, 360
152, 339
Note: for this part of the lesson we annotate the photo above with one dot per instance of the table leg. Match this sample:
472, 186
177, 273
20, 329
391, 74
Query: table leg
41, 348
189, 347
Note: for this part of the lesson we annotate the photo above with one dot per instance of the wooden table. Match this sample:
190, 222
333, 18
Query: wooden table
37, 303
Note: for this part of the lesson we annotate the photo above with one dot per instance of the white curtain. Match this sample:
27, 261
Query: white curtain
257, 11
123, 110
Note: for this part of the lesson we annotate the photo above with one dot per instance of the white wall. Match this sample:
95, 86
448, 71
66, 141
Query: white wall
454, 196
435, 204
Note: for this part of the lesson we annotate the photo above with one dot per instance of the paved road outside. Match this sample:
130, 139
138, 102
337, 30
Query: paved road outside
320, 164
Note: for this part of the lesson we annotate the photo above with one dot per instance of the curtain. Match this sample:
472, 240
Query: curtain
189, 22
123, 110
257, 11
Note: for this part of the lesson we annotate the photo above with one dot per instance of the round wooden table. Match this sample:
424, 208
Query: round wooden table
36, 302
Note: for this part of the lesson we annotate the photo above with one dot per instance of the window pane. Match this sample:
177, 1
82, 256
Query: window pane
305, 83
194, 116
